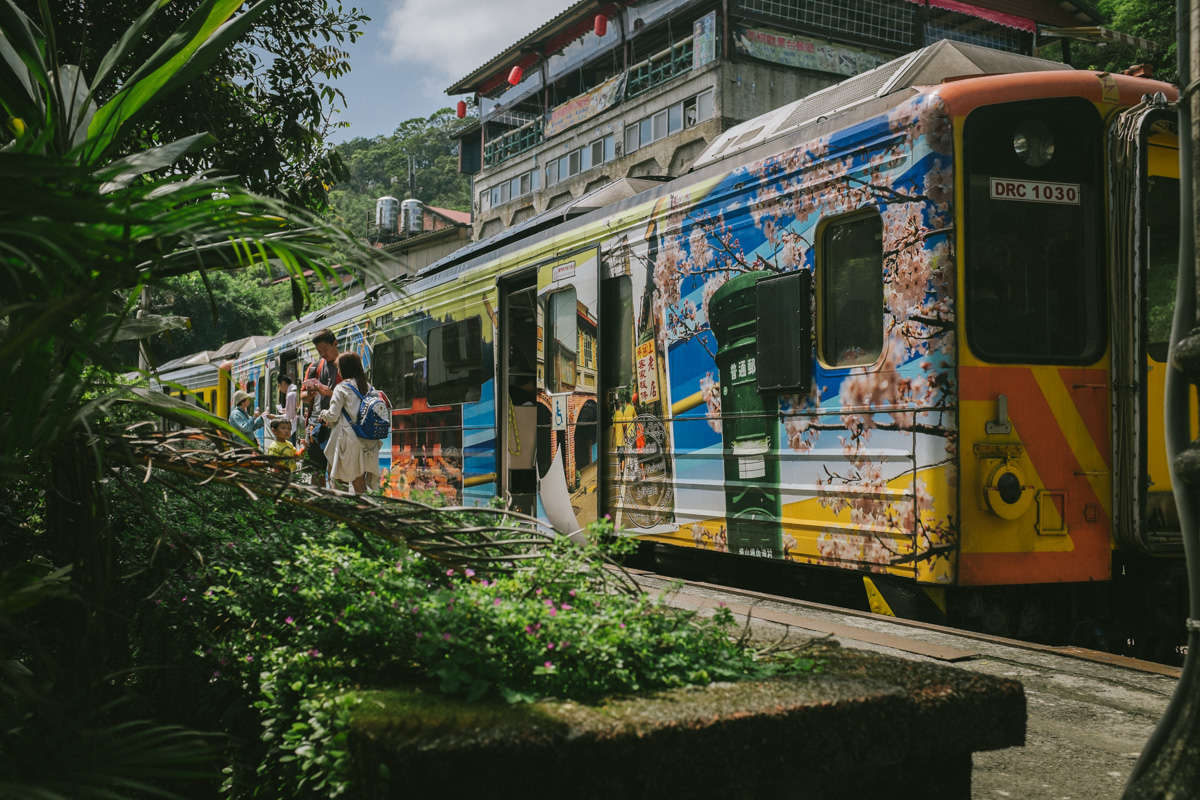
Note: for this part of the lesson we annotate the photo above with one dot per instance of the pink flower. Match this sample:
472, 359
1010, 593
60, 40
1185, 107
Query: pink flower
572, 593
290, 621
621, 625
314, 653
249, 658
446, 636
496, 602
470, 573
549, 604
567, 606
550, 646
529, 630
420, 635
183, 599
553, 613
216, 673
549, 665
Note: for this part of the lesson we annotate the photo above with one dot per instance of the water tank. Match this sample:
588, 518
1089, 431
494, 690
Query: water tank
387, 210
412, 216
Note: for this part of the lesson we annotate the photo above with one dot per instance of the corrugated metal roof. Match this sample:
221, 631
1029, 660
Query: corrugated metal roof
547, 31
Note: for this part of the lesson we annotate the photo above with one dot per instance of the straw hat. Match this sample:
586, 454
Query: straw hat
238, 397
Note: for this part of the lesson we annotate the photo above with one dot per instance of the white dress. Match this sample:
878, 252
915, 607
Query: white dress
349, 456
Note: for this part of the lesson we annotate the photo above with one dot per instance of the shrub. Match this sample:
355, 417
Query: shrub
287, 615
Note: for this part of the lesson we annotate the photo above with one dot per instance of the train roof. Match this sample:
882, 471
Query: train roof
855, 99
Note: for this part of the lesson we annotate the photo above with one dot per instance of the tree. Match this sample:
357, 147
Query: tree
1153, 20
379, 167
266, 96
89, 218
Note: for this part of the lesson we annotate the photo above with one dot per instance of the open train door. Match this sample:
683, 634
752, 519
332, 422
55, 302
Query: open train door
550, 411
1144, 194
567, 300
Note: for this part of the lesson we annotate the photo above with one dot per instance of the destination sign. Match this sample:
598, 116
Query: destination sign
1034, 191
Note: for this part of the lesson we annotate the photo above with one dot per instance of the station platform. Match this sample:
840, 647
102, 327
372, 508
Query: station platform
1089, 713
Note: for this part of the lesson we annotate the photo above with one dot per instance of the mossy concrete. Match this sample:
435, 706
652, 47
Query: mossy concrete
865, 723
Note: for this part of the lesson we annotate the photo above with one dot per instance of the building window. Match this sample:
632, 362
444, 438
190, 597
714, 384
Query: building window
581, 159
851, 277
455, 362
669, 121
880, 20
511, 189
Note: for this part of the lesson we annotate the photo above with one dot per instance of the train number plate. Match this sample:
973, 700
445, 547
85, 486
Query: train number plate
1034, 191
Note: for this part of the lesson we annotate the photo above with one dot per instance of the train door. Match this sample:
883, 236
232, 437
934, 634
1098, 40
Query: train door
519, 401
1034, 419
1145, 221
568, 468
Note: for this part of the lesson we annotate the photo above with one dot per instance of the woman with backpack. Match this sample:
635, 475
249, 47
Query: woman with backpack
351, 458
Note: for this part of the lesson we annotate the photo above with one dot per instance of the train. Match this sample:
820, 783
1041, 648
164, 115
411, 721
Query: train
909, 329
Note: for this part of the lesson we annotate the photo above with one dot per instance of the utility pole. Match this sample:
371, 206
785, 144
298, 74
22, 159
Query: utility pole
1169, 766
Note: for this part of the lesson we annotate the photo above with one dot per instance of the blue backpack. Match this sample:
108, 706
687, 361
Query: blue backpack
374, 417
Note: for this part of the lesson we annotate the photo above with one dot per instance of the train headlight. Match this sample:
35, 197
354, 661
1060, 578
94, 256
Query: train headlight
1006, 492
1033, 142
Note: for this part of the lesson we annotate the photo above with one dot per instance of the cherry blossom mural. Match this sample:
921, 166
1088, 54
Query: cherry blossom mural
865, 458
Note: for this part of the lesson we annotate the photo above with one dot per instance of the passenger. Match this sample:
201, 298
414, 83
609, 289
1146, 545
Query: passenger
316, 392
350, 458
282, 447
241, 418
291, 404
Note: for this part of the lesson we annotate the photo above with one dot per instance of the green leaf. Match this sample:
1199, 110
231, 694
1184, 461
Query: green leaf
185, 55
120, 173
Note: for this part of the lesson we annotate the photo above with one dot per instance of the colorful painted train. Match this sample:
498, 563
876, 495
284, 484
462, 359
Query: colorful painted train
912, 326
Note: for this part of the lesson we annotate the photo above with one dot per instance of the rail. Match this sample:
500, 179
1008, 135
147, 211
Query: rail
660, 68
513, 143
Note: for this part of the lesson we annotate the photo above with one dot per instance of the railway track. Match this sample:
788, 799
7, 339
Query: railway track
906, 636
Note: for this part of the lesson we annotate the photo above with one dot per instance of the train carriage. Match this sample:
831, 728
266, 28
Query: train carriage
909, 326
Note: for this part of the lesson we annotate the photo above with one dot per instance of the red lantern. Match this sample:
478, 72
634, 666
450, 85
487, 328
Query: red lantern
601, 25
461, 109
514, 77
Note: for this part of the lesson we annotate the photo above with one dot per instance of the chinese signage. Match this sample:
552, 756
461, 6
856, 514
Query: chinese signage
704, 40
647, 373
795, 51
586, 106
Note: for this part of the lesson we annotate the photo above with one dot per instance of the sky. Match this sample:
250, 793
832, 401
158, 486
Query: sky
413, 49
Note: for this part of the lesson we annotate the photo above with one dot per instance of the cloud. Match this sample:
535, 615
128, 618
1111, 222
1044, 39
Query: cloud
443, 41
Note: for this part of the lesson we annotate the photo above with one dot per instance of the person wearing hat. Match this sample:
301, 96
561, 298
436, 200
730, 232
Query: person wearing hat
241, 418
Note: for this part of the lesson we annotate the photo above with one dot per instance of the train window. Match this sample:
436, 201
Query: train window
1034, 266
455, 362
1162, 261
784, 358
616, 330
393, 372
562, 341
851, 275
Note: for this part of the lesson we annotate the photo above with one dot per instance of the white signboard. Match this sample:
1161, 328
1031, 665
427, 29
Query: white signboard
1034, 191
563, 271
559, 412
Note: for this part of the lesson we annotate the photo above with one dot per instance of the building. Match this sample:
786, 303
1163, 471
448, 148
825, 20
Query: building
416, 238
637, 89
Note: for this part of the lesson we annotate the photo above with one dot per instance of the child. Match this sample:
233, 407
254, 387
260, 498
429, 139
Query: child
281, 428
